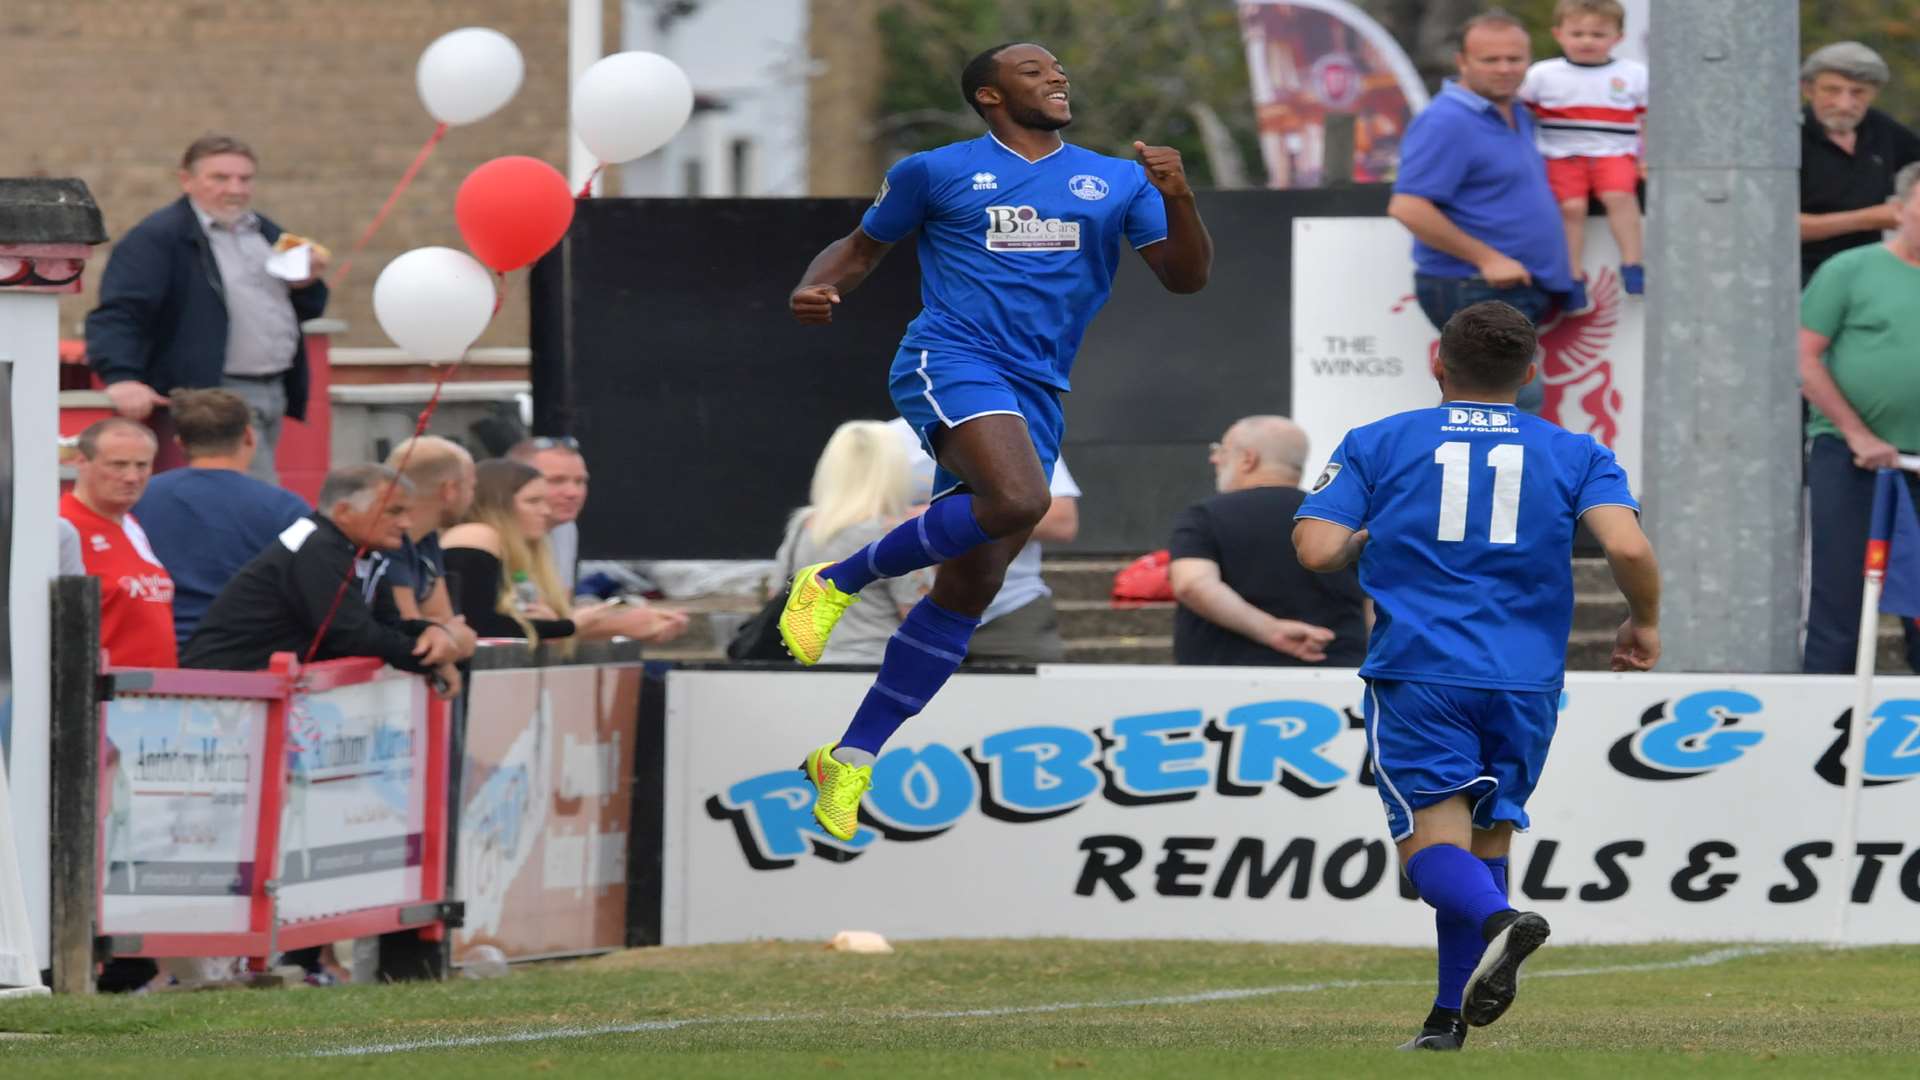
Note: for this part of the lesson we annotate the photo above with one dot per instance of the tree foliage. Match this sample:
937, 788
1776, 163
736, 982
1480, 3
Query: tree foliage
1174, 71
1162, 71
1893, 29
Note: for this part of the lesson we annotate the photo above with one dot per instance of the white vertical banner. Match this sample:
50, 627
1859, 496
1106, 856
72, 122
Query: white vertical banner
30, 328
18, 968
1361, 345
1639, 30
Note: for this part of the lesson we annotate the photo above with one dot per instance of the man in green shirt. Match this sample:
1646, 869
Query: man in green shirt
1860, 371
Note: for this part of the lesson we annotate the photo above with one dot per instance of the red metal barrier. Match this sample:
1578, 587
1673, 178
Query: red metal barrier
286, 688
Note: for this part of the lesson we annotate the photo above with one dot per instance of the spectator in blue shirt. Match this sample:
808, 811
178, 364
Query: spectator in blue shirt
208, 520
1472, 189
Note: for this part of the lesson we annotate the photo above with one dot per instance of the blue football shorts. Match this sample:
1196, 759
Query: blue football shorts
937, 391
1431, 742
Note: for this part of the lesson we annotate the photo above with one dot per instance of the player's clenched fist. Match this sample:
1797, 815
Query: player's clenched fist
813, 304
1164, 169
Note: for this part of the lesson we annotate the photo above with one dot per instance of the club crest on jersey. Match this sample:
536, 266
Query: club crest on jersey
985, 181
1326, 477
1088, 187
1021, 228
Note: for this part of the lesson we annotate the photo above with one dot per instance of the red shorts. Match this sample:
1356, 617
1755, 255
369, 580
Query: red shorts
1578, 177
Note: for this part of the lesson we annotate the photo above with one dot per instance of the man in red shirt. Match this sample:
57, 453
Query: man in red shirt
136, 594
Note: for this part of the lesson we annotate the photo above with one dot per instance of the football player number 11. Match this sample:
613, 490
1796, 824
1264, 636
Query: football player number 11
1456, 460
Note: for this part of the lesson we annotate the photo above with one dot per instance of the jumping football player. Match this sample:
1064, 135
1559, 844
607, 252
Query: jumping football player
1020, 235
1462, 518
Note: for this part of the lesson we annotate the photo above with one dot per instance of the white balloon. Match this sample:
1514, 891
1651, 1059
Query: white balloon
434, 302
629, 104
468, 74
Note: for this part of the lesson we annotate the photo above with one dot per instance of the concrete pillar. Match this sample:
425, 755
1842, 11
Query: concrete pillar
1721, 478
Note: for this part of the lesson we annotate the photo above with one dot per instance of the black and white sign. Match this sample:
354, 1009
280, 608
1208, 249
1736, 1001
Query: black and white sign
1121, 802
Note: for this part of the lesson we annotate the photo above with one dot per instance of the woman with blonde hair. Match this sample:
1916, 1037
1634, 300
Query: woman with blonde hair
862, 487
507, 585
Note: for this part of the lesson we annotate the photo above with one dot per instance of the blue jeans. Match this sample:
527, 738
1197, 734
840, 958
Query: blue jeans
1840, 506
1440, 297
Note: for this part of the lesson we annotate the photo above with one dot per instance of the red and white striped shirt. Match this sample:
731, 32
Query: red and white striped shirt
1587, 110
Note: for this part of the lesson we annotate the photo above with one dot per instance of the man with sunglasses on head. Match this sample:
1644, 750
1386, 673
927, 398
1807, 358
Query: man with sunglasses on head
564, 468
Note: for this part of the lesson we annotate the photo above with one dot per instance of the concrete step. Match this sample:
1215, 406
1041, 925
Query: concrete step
1121, 650
1599, 611
1101, 619
1081, 579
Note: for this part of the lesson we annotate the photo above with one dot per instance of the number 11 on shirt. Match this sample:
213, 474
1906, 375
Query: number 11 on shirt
1456, 460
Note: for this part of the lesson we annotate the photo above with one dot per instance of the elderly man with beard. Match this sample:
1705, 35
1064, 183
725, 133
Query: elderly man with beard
1849, 154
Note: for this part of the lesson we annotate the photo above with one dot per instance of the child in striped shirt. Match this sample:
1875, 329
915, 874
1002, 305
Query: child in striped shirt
1590, 105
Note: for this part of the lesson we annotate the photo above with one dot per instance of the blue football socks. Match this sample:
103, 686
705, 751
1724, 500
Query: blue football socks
1456, 883
1498, 868
948, 529
1460, 949
1459, 936
920, 656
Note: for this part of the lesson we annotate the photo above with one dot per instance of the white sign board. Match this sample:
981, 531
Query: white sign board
1361, 345
182, 779
351, 829
1122, 802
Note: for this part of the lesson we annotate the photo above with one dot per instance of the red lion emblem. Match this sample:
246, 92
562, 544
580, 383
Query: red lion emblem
1574, 369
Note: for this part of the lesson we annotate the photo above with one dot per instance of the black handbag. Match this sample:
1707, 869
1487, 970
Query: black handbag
759, 637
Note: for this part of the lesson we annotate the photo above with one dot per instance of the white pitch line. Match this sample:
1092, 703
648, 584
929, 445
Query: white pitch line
1706, 959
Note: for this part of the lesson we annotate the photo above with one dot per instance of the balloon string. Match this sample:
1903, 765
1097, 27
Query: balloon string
339, 276
586, 189
386, 495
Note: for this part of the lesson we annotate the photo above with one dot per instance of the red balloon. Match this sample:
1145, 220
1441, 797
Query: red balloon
512, 210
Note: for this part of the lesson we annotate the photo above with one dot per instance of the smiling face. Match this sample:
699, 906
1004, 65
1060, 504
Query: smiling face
1032, 86
565, 472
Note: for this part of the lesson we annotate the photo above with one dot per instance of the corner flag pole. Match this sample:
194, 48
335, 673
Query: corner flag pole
1853, 760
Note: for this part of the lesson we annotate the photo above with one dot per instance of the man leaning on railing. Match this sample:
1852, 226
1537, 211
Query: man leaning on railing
281, 600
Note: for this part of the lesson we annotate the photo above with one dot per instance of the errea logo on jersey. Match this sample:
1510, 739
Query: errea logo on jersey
1477, 420
985, 181
1021, 228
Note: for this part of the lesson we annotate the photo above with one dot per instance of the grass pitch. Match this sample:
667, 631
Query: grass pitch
1018, 1009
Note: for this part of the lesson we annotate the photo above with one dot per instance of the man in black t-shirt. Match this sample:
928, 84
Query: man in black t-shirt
442, 474
1244, 597
1849, 153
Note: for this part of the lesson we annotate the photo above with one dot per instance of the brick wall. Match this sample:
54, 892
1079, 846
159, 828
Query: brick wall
843, 98
114, 90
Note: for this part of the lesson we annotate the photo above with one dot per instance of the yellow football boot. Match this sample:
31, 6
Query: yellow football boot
840, 786
814, 607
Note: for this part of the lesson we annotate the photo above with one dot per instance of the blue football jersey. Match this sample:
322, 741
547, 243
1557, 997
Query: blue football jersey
1470, 512
1016, 257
